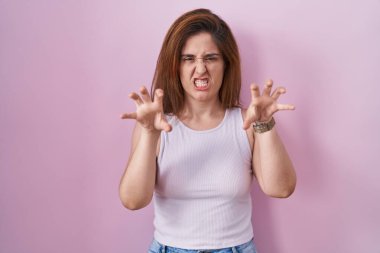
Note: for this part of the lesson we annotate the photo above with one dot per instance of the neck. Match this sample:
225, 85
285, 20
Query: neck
199, 109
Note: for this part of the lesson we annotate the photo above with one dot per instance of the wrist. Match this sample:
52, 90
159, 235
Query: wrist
150, 131
262, 127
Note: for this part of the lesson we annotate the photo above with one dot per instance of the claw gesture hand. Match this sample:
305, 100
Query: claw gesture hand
263, 107
149, 114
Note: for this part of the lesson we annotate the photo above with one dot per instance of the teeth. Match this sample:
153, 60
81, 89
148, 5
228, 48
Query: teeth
201, 83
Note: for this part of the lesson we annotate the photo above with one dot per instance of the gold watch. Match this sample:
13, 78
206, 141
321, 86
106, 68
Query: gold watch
262, 127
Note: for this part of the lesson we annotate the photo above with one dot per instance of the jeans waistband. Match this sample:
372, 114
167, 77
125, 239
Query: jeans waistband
247, 247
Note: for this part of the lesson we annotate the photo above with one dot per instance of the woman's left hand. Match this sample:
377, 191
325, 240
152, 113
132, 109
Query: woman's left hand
262, 108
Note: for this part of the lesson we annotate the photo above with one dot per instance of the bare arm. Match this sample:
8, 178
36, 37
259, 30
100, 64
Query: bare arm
271, 163
272, 166
137, 183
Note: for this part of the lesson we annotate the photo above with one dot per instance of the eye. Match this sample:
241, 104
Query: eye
211, 58
187, 58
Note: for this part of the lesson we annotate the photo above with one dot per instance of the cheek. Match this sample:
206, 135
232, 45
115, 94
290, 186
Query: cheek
185, 78
218, 74
184, 74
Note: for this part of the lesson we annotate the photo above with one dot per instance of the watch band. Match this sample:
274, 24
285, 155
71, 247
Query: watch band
262, 127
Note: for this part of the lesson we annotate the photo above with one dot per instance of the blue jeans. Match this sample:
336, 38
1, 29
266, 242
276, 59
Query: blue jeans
248, 247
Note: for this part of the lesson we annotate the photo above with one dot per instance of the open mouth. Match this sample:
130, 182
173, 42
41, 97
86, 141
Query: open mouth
201, 84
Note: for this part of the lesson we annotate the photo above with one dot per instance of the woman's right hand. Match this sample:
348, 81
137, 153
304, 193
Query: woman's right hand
149, 114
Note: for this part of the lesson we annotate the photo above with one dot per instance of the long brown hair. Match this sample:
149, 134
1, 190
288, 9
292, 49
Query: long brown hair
166, 76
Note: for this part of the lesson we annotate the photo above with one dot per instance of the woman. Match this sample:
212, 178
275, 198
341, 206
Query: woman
196, 150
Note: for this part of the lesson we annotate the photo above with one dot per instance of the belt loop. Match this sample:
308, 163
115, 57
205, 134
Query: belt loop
234, 250
163, 249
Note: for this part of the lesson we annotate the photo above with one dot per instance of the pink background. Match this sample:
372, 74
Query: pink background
66, 68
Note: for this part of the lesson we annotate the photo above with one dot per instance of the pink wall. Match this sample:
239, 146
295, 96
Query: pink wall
66, 68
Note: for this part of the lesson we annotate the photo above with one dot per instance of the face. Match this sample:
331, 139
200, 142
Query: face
201, 68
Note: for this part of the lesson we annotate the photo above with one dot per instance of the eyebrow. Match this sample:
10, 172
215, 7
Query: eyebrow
206, 55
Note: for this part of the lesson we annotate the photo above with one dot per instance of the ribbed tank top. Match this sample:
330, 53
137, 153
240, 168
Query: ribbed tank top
202, 196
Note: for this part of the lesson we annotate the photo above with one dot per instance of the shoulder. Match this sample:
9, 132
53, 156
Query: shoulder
239, 111
243, 112
171, 118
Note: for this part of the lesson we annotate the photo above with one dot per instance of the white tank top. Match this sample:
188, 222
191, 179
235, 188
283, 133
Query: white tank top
202, 197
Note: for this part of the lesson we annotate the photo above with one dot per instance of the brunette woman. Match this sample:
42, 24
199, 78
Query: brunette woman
195, 151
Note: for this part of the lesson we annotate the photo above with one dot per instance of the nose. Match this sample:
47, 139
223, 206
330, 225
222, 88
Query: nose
200, 66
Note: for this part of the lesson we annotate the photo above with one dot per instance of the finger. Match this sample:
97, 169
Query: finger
246, 124
278, 92
268, 87
166, 126
145, 95
158, 97
251, 116
132, 115
255, 91
136, 98
163, 124
285, 107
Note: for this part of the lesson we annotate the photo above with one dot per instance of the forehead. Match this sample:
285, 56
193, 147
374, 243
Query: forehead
200, 43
